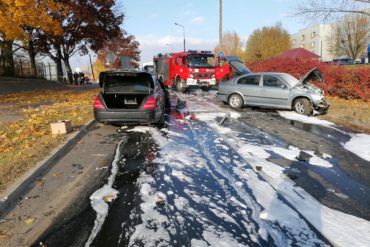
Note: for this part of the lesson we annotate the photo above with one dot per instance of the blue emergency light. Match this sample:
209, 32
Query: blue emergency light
199, 52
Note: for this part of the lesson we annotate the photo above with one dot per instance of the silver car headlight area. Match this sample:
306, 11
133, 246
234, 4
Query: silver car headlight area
317, 97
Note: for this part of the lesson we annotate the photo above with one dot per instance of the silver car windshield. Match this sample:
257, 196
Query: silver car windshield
291, 80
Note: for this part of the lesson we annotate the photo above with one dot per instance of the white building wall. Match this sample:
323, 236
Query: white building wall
314, 39
317, 40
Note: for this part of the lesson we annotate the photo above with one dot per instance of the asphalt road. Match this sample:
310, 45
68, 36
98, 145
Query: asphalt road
60, 195
255, 180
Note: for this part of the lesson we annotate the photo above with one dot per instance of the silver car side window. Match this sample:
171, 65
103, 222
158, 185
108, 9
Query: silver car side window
253, 80
272, 81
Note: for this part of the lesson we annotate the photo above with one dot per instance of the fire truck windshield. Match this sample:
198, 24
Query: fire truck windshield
201, 61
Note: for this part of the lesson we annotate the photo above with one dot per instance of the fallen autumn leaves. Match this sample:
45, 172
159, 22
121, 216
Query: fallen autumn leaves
27, 140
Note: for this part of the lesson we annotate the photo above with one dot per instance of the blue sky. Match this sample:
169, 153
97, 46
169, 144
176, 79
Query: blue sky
152, 22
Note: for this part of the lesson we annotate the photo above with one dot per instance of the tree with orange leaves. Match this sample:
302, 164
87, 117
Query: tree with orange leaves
16, 16
231, 45
267, 42
110, 56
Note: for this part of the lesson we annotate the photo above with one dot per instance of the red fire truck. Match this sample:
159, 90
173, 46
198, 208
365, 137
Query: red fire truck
184, 69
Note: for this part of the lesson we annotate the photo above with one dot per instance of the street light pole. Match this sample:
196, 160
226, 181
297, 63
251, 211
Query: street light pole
220, 24
92, 69
183, 32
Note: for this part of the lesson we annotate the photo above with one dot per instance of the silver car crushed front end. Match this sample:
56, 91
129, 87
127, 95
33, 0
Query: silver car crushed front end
319, 104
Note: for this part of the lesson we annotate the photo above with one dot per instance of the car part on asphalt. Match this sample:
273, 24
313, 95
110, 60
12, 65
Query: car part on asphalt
224, 119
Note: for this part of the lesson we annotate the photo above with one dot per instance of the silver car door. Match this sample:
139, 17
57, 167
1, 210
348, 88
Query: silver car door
274, 92
249, 86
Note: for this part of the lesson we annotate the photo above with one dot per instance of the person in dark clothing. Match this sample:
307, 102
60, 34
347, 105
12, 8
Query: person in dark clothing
70, 77
75, 78
82, 78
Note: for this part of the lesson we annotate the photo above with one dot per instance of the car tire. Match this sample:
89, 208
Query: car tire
180, 85
235, 101
302, 106
162, 119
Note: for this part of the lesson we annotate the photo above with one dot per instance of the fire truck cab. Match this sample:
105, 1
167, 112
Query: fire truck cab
184, 69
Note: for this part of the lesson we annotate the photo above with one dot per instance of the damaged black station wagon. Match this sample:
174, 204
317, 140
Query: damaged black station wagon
129, 97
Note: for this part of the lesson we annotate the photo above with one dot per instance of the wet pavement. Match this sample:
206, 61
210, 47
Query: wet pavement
247, 182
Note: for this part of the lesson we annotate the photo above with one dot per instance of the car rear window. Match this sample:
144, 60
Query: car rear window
128, 83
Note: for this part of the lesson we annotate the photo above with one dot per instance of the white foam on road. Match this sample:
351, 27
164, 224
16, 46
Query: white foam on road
339, 228
360, 145
152, 230
97, 201
155, 228
305, 119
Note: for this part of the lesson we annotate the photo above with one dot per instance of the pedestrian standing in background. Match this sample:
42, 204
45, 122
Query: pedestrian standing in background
82, 78
75, 78
70, 77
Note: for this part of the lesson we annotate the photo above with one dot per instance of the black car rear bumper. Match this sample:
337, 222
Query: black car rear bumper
132, 116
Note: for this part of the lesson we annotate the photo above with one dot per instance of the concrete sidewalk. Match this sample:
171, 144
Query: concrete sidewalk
62, 190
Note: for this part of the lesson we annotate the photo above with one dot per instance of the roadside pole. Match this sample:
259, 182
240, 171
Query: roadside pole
92, 69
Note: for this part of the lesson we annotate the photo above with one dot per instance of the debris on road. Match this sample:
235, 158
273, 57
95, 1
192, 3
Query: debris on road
224, 119
303, 156
110, 198
29, 221
40, 181
160, 200
57, 174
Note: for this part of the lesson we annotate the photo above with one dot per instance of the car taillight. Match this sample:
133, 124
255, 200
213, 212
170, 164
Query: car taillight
98, 104
150, 103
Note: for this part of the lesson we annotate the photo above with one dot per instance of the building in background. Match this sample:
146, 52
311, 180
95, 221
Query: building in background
330, 41
315, 39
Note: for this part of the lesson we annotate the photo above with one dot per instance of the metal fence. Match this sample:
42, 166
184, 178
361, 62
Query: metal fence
50, 71
22, 68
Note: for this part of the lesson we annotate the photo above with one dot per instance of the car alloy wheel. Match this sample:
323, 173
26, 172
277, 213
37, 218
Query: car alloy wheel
302, 106
235, 101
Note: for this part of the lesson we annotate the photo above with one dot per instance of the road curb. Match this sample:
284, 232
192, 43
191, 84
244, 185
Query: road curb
13, 193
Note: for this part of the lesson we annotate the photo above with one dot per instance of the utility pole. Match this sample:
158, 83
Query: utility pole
183, 32
92, 69
220, 24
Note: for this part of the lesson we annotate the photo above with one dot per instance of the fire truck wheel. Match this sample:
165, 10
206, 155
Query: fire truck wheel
235, 101
180, 86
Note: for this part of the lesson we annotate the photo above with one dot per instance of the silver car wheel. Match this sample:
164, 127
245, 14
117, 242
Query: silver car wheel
235, 101
299, 107
302, 106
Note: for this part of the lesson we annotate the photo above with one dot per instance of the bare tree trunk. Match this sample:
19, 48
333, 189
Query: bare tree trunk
69, 69
7, 52
59, 66
32, 55
57, 59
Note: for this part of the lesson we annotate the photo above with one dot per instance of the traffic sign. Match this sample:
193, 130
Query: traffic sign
221, 54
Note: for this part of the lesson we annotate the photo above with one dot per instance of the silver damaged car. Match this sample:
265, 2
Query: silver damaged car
275, 90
